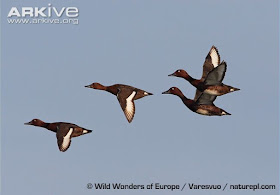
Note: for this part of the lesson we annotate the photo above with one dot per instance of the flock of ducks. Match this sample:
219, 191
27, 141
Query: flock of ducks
207, 89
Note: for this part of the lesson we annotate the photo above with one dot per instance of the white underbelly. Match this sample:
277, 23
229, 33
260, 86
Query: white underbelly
202, 111
211, 92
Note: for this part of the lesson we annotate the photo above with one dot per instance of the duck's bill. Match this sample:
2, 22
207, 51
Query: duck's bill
88, 86
28, 123
173, 74
166, 92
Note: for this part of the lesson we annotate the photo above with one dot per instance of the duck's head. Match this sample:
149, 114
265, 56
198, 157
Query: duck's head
95, 86
180, 73
35, 122
173, 90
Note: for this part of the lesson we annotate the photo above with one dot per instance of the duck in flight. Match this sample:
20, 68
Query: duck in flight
64, 131
125, 94
203, 105
212, 76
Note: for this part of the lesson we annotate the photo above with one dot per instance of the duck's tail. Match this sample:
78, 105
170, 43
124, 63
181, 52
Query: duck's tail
232, 89
147, 93
86, 131
224, 113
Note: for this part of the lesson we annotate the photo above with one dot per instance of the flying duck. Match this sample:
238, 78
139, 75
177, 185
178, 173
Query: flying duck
212, 76
203, 105
64, 131
126, 95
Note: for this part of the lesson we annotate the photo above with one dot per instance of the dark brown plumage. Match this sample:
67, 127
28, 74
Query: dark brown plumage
64, 131
126, 95
203, 105
212, 76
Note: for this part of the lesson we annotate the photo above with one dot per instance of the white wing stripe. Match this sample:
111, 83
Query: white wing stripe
129, 105
66, 139
129, 109
215, 57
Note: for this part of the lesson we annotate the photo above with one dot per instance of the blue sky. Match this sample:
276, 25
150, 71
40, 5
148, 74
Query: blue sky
45, 67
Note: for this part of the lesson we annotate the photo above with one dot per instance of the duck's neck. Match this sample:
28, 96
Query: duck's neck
45, 125
50, 126
112, 89
181, 95
189, 78
194, 82
188, 102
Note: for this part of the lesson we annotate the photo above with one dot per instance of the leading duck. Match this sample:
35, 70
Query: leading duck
212, 77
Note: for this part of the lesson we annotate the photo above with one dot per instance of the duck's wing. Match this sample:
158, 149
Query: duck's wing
126, 100
197, 94
206, 99
212, 60
63, 136
216, 76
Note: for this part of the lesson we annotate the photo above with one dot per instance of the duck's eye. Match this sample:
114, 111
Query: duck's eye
172, 88
179, 71
35, 120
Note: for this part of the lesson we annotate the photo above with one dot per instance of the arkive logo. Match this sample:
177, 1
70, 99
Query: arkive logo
49, 11
49, 14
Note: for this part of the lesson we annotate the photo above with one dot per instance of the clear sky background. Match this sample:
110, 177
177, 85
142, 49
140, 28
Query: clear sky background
45, 68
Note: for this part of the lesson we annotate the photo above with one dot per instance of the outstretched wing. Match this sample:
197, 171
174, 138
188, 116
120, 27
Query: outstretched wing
212, 60
64, 140
206, 99
216, 76
126, 100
